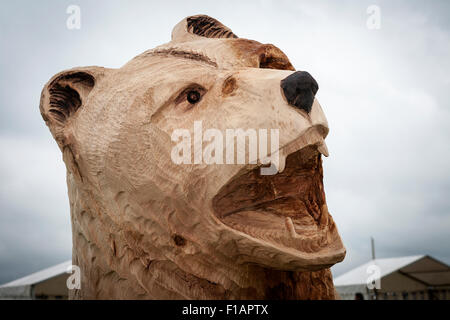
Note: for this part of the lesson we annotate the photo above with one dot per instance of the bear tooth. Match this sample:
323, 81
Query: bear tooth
281, 162
322, 148
290, 227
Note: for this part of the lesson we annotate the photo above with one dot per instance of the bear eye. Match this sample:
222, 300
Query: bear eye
193, 96
190, 96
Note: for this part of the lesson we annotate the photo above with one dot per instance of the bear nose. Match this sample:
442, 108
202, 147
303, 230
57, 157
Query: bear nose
299, 89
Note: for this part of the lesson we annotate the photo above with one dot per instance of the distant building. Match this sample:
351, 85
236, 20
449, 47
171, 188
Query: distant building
405, 278
49, 283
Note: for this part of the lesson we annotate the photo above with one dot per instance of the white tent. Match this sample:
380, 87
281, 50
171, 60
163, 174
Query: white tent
413, 277
49, 283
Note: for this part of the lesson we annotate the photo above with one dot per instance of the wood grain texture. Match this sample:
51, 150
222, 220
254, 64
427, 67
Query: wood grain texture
145, 227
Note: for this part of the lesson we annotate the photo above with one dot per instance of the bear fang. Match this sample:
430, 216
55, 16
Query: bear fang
199, 310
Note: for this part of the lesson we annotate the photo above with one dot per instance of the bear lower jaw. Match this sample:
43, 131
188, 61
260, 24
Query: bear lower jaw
287, 210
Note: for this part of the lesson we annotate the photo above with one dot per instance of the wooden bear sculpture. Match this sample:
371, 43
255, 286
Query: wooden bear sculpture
146, 226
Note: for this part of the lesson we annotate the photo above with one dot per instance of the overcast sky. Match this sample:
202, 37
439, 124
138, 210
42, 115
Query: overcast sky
385, 93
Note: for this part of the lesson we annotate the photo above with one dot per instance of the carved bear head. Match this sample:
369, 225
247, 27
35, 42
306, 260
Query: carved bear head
128, 197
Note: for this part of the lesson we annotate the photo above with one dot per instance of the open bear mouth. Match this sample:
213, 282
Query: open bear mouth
296, 193
287, 209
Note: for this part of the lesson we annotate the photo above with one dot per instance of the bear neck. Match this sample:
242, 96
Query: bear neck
112, 268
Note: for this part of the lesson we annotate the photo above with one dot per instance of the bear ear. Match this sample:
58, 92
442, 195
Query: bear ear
63, 95
193, 27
